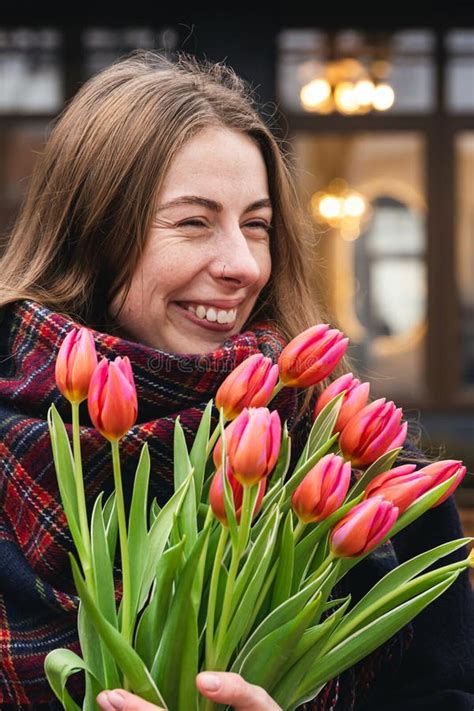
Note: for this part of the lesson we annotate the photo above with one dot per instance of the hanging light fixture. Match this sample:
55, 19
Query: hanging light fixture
340, 207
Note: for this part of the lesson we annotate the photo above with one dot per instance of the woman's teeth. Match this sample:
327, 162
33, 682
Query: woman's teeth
211, 314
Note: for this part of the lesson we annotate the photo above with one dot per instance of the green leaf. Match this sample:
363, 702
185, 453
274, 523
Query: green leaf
153, 620
166, 668
103, 670
158, 537
364, 641
284, 577
278, 475
229, 505
197, 455
59, 665
111, 525
127, 659
381, 465
304, 653
64, 465
181, 462
277, 647
103, 572
323, 425
138, 541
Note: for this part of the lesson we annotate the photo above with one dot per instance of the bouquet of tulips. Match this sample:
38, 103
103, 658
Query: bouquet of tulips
238, 570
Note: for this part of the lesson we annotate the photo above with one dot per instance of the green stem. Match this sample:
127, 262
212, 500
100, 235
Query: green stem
122, 526
279, 386
237, 552
211, 609
300, 526
81, 501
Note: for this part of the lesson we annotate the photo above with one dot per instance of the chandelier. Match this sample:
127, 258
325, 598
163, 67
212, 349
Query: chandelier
340, 207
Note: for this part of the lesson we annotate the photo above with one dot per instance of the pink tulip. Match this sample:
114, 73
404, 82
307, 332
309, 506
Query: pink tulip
216, 495
75, 363
442, 471
401, 485
311, 356
248, 385
363, 528
253, 444
112, 400
322, 490
373, 431
354, 400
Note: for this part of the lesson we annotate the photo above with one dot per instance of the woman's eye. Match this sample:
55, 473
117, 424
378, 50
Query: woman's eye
260, 225
192, 223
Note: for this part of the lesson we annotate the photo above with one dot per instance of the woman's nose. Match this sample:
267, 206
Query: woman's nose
234, 260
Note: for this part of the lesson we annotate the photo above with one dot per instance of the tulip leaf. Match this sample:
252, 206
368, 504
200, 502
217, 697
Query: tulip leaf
153, 620
394, 583
228, 495
381, 465
103, 572
277, 646
167, 669
64, 465
283, 581
138, 542
181, 462
303, 655
127, 659
59, 665
364, 641
158, 537
283, 462
323, 425
111, 525
103, 670
187, 518
197, 454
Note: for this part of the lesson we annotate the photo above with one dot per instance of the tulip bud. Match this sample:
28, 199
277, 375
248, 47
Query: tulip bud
112, 400
322, 490
442, 471
373, 431
311, 356
363, 528
75, 363
216, 495
249, 385
253, 444
401, 485
354, 400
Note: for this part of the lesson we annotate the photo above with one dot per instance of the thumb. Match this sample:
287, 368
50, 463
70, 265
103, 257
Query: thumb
122, 700
232, 689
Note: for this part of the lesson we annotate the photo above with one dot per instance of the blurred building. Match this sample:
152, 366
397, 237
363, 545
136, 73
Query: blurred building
379, 111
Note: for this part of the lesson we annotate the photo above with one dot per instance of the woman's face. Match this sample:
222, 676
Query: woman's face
207, 254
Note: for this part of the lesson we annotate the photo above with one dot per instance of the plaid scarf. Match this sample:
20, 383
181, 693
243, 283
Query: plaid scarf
38, 605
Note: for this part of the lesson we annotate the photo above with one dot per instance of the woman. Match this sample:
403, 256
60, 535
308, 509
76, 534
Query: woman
162, 214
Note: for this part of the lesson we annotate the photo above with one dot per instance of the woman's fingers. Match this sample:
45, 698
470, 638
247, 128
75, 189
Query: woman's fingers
232, 689
118, 699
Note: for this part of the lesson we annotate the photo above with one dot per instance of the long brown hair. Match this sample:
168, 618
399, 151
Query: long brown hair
82, 227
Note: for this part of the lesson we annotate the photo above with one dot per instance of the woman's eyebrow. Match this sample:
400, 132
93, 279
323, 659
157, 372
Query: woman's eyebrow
210, 204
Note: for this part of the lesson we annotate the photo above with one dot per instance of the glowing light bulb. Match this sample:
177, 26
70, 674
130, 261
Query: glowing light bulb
330, 207
354, 205
345, 99
384, 96
364, 92
314, 93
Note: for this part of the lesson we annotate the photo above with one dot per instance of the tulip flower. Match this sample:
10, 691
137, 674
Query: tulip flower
216, 495
75, 363
249, 385
372, 431
401, 485
253, 444
112, 400
363, 528
311, 356
354, 400
441, 471
322, 490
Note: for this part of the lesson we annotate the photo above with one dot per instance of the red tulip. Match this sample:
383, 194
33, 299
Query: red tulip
311, 356
253, 444
322, 490
363, 528
248, 385
75, 363
442, 471
216, 495
401, 485
354, 400
372, 431
112, 400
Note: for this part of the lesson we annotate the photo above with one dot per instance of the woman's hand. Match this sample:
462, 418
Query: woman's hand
222, 687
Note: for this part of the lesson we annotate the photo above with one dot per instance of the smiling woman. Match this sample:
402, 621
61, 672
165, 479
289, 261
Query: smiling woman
163, 216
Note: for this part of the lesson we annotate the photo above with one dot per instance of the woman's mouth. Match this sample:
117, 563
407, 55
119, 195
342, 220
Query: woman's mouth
209, 317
